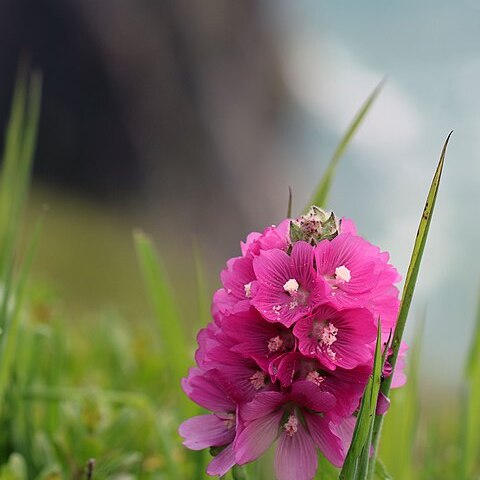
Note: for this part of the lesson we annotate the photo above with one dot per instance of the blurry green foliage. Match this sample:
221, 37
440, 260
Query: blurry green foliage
95, 385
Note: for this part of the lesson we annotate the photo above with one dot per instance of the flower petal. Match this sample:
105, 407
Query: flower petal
223, 462
256, 437
327, 441
204, 431
295, 456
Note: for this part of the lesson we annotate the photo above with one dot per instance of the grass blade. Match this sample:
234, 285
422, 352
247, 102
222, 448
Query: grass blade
15, 178
411, 280
10, 336
322, 191
165, 307
401, 427
358, 456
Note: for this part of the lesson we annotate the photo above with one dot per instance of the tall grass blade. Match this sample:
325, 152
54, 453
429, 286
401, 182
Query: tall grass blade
17, 164
401, 426
322, 191
10, 335
14, 182
411, 280
165, 307
358, 456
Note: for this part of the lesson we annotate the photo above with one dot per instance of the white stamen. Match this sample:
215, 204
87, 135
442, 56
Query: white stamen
258, 380
331, 353
328, 335
292, 305
229, 421
343, 273
275, 344
291, 426
291, 286
248, 289
315, 378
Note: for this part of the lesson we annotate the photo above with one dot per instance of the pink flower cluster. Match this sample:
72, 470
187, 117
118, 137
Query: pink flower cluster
291, 347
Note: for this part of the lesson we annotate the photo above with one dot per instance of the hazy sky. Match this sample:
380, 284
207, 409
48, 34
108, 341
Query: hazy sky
334, 54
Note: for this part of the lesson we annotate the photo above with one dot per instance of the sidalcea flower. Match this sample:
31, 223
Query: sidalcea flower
259, 339
288, 354
212, 430
357, 274
298, 421
287, 284
337, 337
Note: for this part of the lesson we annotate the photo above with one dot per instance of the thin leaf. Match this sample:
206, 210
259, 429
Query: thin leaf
10, 336
411, 280
322, 191
358, 456
161, 296
401, 425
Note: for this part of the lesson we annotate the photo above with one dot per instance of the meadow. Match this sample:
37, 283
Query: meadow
99, 396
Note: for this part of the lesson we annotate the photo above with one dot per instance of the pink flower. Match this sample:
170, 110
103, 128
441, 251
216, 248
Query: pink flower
298, 422
256, 338
212, 430
272, 237
240, 375
346, 386
288, 289
337, 337
236, 293
357, 274
289, 353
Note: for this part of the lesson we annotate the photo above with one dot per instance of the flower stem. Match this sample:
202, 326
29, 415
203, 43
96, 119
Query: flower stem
239, 473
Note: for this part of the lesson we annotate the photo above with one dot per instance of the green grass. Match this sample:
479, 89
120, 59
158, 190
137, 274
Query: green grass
96, 382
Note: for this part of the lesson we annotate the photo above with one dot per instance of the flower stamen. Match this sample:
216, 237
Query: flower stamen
291, 426
275, 344
258, 380
342, 274
291, 286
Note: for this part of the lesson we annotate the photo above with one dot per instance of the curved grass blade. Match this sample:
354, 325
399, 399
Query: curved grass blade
400, 430
411, 280
165, 307
17, 162
358, 456
322, 191
10, 336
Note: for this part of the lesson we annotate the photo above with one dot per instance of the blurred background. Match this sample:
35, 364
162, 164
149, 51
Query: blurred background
190, 119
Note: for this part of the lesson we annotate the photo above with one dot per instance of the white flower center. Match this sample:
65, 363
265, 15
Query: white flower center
248, 289
291, 426
291, 286
343, 273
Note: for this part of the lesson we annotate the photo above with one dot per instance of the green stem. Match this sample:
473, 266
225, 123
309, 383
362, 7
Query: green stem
239, 473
